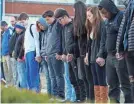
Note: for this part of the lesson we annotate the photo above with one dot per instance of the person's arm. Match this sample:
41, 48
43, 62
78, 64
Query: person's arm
102, 49
12, 41
63, 45
59, 42
36, 40
70, 39
120, 37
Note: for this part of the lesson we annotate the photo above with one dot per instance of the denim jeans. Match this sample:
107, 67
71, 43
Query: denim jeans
56, 70
14, 70
117, 75
32, 69
69, 89
130, 66
46, 71
22, 74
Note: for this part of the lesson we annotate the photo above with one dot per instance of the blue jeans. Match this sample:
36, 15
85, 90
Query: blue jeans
22, 77
69, 90
32, 68
57, 76
46, 71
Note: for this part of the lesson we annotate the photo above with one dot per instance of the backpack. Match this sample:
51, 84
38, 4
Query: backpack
33, 35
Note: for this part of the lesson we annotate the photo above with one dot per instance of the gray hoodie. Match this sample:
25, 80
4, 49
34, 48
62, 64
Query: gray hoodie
42, 34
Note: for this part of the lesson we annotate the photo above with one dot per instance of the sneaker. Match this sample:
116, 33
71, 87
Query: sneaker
51, 99
60, 100
3, 81
77, 101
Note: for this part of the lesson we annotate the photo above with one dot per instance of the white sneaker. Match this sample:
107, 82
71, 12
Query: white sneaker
3, 81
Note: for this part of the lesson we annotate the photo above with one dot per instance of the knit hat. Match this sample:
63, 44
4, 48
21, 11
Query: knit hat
19, 25
43, 22
3, 23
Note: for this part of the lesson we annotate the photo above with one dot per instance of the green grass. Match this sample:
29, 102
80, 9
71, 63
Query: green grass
13, 95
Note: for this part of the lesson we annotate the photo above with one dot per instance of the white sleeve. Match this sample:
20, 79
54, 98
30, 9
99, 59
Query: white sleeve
36, 40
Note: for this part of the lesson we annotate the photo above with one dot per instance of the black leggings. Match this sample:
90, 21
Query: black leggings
99, 74
84, 73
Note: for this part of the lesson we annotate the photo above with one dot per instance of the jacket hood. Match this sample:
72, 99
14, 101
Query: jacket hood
43, 22
109, 6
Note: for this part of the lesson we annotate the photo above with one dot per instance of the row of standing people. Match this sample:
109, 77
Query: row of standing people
80, 56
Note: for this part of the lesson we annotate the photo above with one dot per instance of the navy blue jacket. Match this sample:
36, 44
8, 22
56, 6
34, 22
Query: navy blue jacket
54, 39
5, 42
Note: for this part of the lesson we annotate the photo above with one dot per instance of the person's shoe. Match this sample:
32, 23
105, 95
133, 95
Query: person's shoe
51, 100
60, 100
77, 101
3, 81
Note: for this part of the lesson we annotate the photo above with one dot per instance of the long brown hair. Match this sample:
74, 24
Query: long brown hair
95, 26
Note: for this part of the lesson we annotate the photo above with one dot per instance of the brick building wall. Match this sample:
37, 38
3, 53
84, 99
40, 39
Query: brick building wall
33, 8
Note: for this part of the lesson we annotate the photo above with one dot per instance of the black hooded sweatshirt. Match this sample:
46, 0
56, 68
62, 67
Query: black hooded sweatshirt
112, 25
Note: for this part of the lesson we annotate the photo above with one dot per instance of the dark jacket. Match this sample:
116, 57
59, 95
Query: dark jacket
97, 49
125, 40
43, 43
68, 39
12, 43
19, 48
112, 25
54, 39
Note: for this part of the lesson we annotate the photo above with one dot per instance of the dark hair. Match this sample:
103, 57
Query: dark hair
16, 18
23, 16
100, 7
3, 23
60, 12
48, 13
37, 26
80, 18
97, 19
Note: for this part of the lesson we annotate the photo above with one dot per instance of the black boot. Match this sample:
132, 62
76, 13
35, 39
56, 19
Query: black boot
77, 92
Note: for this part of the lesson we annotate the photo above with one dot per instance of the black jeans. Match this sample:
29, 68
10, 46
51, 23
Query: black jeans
73, 74
84, 73
78, 83
2, 71
117, 75
130, 65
